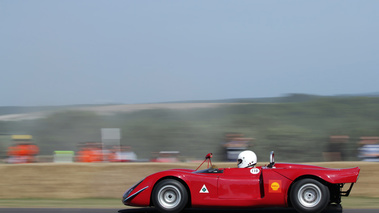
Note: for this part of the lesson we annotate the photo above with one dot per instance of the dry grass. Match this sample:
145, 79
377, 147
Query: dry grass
106, 180
114, 203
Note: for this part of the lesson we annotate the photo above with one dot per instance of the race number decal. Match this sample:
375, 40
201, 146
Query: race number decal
254, 171
275, 186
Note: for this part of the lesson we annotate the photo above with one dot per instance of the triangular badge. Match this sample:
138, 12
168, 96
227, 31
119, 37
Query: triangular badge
204, 189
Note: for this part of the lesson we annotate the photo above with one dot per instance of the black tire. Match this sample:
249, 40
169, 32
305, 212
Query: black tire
309, 196
170, 196
333, 208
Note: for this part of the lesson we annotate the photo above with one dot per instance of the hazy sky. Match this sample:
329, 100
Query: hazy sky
88, 52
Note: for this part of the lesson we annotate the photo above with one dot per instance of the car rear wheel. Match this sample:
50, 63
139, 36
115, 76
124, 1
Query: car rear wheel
170, 196
309, 195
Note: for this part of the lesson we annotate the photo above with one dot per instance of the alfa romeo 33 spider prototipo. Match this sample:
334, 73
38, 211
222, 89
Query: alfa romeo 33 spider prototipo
305, 188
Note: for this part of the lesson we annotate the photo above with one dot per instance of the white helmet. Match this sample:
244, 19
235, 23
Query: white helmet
247, 159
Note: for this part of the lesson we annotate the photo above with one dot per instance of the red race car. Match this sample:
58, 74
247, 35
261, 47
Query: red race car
306, 188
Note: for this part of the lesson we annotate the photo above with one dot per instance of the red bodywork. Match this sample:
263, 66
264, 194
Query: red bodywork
246, 187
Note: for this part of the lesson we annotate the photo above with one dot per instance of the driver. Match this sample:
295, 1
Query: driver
247, 159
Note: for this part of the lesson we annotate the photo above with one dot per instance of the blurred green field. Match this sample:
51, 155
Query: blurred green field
296, 127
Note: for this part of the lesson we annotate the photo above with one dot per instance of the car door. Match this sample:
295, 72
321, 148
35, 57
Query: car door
240, 183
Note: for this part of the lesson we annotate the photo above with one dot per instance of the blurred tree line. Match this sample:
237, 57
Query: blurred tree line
297, 130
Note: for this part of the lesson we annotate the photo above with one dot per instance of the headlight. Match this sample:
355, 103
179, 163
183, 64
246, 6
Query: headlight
127, 193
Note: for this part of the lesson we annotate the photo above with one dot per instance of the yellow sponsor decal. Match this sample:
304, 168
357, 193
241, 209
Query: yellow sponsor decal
275, 186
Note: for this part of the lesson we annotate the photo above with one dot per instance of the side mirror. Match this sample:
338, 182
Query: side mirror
208, 156
272, 160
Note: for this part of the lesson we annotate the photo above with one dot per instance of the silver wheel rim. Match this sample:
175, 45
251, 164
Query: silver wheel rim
169, 196
309, 195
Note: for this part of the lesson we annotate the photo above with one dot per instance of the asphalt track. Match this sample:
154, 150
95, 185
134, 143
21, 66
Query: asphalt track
152, 210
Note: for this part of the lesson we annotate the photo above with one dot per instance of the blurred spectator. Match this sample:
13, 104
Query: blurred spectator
167, 157
23, 150
90, 152
336, 148
84, 154
369, 149
95, 152
123, 154
235, 144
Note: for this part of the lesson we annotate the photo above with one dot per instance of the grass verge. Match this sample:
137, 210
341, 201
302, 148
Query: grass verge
111, 203
62, 203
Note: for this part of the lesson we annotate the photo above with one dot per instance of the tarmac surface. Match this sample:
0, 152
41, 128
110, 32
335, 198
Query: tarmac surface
152, 210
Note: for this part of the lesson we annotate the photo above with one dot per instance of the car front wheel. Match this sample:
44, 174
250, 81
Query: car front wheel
170, 196
309, 195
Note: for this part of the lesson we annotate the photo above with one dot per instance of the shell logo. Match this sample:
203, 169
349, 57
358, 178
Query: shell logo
275, 186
